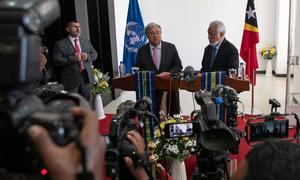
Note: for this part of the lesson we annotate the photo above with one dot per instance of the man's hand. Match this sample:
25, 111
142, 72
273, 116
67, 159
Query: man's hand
78, 56
165, 74
137, 140
84, 56
64, 162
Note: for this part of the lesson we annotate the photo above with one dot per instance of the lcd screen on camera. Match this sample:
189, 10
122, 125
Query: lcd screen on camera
179, 129
269, 129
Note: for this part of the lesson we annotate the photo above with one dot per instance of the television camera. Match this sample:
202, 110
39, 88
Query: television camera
215, 138
126, 119
21, 103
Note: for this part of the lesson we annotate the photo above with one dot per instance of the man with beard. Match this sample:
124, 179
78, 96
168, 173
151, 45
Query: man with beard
220, 54
74, 57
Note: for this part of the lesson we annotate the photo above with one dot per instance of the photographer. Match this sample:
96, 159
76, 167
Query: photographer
136, 139
64, 162
271, 160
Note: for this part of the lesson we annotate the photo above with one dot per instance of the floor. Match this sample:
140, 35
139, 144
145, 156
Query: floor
267, 87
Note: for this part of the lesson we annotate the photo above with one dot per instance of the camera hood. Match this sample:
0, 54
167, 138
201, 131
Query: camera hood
217, 138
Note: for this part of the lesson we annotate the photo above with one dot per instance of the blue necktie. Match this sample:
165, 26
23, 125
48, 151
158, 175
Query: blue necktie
213, 56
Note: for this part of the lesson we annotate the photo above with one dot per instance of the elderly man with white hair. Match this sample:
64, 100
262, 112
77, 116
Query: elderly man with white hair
220, 54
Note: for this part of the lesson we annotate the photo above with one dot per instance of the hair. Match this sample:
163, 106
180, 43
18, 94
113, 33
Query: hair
150, 25
70, 21
219, 25
273, 160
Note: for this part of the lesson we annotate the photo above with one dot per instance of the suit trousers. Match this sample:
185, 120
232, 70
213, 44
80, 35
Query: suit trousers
84, 87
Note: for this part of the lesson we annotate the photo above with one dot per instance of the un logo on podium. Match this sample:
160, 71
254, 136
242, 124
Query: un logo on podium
135, 37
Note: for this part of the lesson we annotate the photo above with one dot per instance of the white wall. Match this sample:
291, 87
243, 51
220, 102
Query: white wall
281, 34
185, 23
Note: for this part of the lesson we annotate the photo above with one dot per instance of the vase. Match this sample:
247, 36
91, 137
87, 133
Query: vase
177, 169
269, 67
98, 105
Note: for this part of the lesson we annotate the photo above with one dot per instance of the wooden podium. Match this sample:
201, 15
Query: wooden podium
128, 83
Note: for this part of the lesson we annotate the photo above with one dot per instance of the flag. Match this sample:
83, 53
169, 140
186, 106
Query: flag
249, 41
135, 35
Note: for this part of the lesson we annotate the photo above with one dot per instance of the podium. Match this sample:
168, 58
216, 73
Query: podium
128, 83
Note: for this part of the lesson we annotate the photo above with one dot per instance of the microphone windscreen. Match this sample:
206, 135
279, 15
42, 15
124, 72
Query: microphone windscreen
188, 72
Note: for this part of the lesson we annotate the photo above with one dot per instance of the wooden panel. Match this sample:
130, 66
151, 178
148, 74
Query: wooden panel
128, 83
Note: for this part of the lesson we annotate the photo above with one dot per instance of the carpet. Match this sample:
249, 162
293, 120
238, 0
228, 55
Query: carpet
191, 162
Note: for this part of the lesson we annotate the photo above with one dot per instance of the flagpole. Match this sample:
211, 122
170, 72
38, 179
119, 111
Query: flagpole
252, 93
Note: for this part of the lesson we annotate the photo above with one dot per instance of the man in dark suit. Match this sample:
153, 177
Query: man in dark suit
220, 54
74, 57
161, 57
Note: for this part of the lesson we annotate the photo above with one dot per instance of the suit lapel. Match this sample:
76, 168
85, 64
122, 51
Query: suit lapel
219, 53
163, 55
69, 45
82, 45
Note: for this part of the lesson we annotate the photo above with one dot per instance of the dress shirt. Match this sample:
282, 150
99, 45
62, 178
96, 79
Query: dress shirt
158, 49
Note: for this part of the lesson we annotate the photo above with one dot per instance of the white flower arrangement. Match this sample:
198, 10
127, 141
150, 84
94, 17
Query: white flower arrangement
174, 148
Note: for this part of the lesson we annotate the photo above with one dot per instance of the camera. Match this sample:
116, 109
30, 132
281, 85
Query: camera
216, 137
19, 46
274, 125
213, 134
176, 130
126, 119
268, 129
21, 103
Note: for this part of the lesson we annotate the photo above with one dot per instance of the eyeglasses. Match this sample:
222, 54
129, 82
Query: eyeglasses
213, 33
154, 33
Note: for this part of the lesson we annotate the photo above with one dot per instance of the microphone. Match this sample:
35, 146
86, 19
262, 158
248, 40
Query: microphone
189, 74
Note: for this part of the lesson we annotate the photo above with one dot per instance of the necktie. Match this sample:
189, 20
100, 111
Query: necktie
155, 60
77, 50
213, 56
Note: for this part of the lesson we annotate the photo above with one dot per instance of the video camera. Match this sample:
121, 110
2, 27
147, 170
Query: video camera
274, 125
21, 105
127, 119
215, 137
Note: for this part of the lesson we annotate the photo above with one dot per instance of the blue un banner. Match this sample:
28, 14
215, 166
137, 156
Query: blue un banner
135, 35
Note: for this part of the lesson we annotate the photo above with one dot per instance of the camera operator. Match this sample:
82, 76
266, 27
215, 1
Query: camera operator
136, 139
64, 162
271, 160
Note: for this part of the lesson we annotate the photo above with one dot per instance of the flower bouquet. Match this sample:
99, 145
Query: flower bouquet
101, 82
268, 52
99, 86
178, 148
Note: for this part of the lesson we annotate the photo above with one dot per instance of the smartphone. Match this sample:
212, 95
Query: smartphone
269, 129
175, 130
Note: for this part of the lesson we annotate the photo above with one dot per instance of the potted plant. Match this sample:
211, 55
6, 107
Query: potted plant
268, 53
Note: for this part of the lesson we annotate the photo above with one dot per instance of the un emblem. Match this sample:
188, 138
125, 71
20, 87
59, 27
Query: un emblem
134, 37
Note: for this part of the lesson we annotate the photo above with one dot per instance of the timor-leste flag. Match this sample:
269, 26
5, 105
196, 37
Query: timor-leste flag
249, 41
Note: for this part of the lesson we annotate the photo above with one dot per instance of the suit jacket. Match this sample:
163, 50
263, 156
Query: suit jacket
170, 61
226, 58
69, 68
